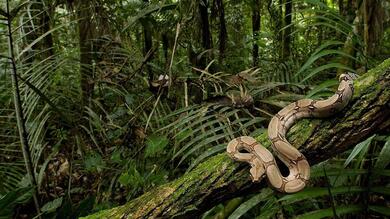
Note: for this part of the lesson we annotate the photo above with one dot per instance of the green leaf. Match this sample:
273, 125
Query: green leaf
318, 172
149, 10
380, 190
252, 202
86, 206
325, 213
384, 156
314, 192
12, 14
319, 54
380, 209
38, 39
3, 13
155, 145
324, 67
322, 87
52, 205
94, 162
270, 208
10, 199
116, 156
13, 197
131, 178
183, 134
130, 99
362, 146
211, 151
125, 179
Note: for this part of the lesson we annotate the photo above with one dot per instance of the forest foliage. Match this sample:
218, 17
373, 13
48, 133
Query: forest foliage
103, 100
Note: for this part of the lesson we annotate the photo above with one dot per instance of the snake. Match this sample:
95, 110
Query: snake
262, 161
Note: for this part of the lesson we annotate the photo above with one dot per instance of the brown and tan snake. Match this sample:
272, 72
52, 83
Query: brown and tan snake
263, 162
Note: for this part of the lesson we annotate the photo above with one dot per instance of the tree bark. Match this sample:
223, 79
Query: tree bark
374, 17
256, 18
288, 29
86, 35
222, 29
341, 7
204, 20
276, 13
148, 44
220, 178
350, 44
206, 33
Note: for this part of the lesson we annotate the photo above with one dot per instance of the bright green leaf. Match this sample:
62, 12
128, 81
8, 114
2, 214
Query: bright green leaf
155, 145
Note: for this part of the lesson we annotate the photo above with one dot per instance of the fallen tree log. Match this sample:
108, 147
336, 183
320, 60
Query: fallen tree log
219, 178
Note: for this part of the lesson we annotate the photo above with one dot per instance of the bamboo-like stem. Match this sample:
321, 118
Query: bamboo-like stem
19, 114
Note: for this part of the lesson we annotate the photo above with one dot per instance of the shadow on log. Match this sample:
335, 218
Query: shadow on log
219, 178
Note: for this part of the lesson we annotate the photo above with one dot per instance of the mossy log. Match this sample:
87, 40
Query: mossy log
220, 178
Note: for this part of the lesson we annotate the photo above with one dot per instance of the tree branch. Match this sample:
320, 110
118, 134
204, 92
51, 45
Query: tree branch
219, 178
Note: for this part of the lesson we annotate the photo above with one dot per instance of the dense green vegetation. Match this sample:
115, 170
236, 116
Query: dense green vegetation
104, 100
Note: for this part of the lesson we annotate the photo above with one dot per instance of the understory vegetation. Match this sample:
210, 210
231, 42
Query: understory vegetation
103, 100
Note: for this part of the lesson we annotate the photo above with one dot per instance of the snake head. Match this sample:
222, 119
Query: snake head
348, 76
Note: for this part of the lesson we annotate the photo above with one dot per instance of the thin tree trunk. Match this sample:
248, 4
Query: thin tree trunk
206, 34
165, 46
374, 17
288, 29
350, 44
256, 20
222, 30
276, 13
220, 178
148, 44
341, 7
86, 35
350, 10
204, 20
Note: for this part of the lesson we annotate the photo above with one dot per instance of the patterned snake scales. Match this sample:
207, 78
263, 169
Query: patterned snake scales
263, 162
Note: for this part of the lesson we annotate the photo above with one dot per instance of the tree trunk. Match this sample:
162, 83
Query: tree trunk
350, 10
222, 30
350, 45
288, 29
148, 43
165, 46
86, 35
374, 17
206, 34
276, 13
256, 20
205, 25
341, 7
220, 178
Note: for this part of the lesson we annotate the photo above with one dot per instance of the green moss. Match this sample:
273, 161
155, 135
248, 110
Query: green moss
101, 214
263, 139
368, 79
301, 131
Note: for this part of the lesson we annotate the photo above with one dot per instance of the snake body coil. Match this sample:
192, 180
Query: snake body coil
263, 162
